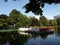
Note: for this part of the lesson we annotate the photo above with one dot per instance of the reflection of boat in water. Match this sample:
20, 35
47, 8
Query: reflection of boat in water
47, 32
24, 33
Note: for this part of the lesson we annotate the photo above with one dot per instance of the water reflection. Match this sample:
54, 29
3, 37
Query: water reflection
45, 39
57, 31
14, 38
42, 35
41, 39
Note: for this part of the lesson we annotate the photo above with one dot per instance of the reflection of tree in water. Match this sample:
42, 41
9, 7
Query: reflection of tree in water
15, 39
43, 36
34, 36
57, 30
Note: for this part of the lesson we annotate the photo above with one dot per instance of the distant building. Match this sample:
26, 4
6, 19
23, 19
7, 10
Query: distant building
58, 16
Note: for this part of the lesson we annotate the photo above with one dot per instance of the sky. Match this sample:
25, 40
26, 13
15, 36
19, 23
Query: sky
49, 11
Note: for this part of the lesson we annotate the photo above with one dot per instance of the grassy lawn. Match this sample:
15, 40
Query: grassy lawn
10, 30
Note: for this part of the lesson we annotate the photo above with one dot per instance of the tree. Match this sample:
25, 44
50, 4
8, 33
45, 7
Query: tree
24, 21
52, 23
27, 21
58, 21
43, 21
18, 19
3, 21
13, 17
34, 22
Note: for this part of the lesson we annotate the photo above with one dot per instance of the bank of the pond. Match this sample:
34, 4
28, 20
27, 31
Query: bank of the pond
9, 30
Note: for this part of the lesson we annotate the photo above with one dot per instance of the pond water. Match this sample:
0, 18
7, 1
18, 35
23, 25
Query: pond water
13, 38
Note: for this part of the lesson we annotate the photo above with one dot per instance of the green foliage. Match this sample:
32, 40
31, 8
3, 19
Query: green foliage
52, 23
43, 21
13, 16
23, 21
34, 22
1, 24
58, 21
41, 25
18, 19
3, 21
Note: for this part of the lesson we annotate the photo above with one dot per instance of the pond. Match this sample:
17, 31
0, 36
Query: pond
14, 38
